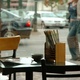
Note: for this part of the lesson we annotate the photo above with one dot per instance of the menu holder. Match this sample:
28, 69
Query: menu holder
54, 50
60, 54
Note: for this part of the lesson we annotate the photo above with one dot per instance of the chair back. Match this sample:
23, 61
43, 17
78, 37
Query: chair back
9, 43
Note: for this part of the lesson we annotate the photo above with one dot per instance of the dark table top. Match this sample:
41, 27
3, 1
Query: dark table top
26, 62
24, 65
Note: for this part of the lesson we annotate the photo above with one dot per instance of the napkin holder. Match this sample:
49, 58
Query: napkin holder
55, 55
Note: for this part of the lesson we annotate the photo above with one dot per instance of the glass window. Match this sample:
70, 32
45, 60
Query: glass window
4, 15
48, 15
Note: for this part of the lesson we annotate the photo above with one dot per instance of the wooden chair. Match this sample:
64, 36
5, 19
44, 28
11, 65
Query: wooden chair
9, 43
51, 71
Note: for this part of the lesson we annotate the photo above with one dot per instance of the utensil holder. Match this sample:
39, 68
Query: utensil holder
49, 53
55, 55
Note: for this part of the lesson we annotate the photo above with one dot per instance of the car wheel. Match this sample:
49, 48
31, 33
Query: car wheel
42, 25
7, 34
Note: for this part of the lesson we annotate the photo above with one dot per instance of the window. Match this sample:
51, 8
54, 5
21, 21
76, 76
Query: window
48, 15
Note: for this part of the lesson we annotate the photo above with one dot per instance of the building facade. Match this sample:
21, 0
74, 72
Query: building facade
17, 4
30, 5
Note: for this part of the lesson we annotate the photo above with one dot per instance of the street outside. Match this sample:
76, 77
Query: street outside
35, 45
36, 42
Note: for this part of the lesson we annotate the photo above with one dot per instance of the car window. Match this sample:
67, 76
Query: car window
37, 15
4, 15
61, 14
48, 15
21, 13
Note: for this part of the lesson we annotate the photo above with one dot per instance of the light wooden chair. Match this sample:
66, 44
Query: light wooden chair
9, 43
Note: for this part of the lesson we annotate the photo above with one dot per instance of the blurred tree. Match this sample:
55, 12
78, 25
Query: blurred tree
0, 15
1, 3
20, 7
46, 2
8, 4
53, 3
61, 2
20, 4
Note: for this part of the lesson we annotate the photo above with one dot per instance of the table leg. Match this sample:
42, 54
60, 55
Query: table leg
9, 76
14, 76
29, 75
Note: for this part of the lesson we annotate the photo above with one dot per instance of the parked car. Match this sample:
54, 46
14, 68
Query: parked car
47, 19
20, 12
13, 24
62, 14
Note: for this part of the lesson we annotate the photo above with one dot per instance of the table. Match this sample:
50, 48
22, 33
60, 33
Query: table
20, 67
30, 68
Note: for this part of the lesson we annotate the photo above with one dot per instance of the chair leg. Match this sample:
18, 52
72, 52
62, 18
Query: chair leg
14, 54
14, 76
43, 69
9, 76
